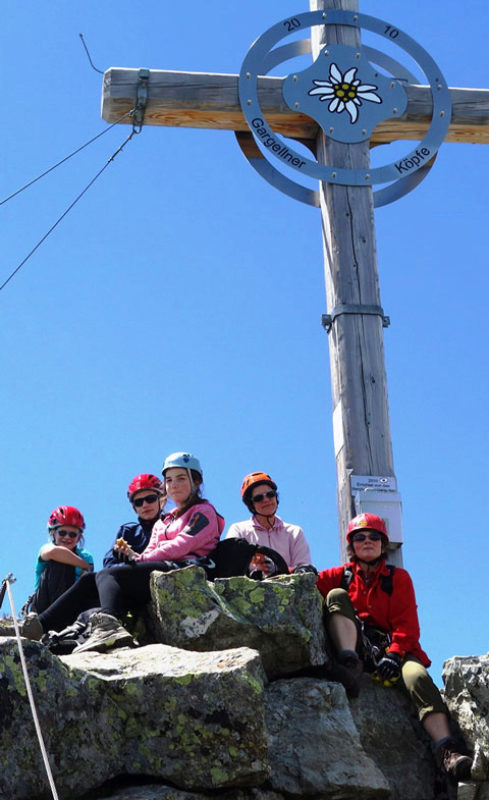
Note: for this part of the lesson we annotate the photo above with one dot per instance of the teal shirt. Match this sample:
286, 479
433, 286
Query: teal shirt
41, 565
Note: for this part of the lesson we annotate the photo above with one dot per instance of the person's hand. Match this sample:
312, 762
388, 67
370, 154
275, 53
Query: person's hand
124, 551
389, 667
261, 566
303, 568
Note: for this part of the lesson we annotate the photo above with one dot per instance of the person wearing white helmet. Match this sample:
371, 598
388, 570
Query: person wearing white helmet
184, 536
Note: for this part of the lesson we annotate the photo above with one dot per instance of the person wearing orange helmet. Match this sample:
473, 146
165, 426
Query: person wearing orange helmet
372, 620
61, 562
259, 494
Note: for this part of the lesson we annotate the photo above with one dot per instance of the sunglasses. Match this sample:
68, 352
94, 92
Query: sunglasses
360, 537
149, 498
257, 498
71, 534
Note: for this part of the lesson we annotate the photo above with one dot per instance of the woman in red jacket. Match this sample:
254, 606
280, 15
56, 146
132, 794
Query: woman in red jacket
373, 624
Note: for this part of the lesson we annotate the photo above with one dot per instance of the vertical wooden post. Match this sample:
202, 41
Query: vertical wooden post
360, 409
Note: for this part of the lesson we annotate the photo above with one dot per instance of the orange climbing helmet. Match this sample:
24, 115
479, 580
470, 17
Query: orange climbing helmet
252, 479
370, 522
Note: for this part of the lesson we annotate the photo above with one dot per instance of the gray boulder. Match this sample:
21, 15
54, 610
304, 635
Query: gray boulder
392, 736
153, 792
315, 748
280, 618
467, 696
200, 720
194, 719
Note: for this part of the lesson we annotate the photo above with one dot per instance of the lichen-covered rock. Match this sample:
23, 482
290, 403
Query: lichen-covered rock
194, 719
394, 739
74, 717
315, 747
466, 681
153, 792
281, 618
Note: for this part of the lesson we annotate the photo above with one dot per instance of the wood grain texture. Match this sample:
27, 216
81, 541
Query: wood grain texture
210, 100
356, 347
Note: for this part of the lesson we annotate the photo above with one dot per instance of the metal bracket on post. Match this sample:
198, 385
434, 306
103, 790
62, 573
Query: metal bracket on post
3, 588
141, 100
354, 308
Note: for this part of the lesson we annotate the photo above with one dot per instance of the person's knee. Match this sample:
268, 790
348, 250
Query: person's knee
422, 689
338, 602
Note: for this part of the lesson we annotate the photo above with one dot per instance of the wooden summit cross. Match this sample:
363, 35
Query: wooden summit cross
361, 425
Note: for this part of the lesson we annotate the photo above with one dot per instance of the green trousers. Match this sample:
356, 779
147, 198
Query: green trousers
415, 677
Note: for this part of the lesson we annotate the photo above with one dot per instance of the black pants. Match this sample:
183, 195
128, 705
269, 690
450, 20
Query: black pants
56, 578
116, 590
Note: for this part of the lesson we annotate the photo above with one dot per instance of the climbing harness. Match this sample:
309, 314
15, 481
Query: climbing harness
6, 587
375, 642
385, 580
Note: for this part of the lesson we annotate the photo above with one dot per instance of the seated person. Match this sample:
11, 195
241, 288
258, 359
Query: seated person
61, 562
372, 620
184, 536
147, 496
259, 494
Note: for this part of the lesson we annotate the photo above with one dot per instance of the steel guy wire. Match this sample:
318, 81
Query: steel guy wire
63, 215
66, 158
32, 704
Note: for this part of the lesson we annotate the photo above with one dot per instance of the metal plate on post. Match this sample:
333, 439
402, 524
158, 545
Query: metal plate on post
262, 57
346, 101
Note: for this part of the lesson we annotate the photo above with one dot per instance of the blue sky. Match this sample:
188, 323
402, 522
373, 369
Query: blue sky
178, 306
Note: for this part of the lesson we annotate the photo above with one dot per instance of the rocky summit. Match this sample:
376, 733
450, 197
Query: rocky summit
228, 696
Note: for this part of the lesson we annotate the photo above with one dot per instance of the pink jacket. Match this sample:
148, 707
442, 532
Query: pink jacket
286, 539
195, 533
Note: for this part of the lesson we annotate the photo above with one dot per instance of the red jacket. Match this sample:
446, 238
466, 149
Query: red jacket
396, 613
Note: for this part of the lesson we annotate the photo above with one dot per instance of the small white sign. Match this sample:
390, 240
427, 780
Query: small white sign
373, 483
338, 435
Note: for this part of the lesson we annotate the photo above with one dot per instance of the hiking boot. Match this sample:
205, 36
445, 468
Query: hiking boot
106, 634
29, 628
346, 669
453, 763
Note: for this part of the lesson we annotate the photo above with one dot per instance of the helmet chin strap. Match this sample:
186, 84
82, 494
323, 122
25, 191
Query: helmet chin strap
374, 563
270, 518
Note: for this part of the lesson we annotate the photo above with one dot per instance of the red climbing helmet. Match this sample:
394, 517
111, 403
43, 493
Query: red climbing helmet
66, 515
144, 481
252, 479
366, 521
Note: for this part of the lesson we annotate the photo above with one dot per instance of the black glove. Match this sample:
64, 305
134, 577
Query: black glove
389, 667
304, 568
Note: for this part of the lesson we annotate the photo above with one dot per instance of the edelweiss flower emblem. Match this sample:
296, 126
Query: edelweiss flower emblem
345, 92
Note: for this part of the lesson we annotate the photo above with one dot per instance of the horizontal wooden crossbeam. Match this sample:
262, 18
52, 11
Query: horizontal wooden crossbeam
210, 100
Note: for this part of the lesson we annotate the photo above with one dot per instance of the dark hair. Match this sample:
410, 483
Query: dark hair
247, 495
195, 495
351, 553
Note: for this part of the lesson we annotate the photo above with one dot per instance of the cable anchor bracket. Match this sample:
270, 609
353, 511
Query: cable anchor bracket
3, 587
142, 93
327, 320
